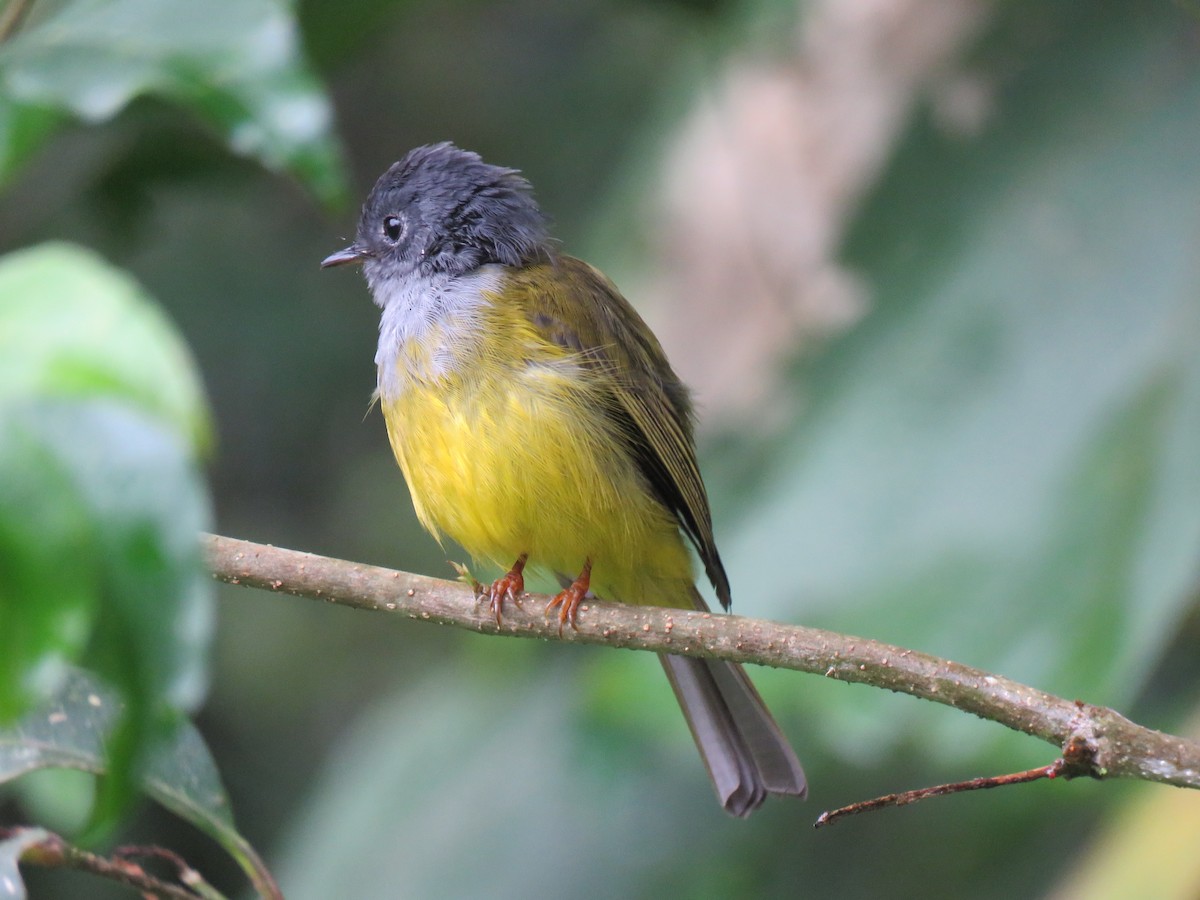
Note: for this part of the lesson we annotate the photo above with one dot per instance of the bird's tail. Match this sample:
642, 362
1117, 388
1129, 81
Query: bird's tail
746, 754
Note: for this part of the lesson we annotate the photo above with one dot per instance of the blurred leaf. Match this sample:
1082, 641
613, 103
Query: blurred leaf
119, 498
1000, 463
73, 326
100, 499
49, 580
58, 799
72, 732
12, 885
237, 63
24, 128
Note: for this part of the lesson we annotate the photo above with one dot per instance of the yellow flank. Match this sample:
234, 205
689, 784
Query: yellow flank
509, 451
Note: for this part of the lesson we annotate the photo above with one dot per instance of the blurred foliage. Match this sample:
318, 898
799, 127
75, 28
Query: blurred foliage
103, 423
100, 501
997, 464
1145, 849
75, 328
235, 63
74, 731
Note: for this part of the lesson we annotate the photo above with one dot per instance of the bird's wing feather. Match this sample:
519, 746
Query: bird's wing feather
576, 307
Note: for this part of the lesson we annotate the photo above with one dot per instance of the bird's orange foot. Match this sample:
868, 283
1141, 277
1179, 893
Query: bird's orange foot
567, 601
509, 588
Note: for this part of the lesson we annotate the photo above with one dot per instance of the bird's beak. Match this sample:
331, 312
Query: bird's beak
354, 254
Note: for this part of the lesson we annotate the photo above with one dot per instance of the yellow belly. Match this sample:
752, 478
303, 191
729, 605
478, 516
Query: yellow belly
521, 460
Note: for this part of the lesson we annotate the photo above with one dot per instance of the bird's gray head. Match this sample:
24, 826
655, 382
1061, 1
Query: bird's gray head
442, 210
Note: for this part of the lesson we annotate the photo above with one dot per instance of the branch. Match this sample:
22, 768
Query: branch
43, 848
10, 19
1102, 743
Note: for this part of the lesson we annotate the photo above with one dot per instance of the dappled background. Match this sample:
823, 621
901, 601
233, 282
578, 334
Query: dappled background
933, 270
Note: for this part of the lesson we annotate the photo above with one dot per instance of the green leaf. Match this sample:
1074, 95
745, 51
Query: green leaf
49, 581
73, 326
72, 732
236, 63
24, 128
124, 507
101, 500
58, 799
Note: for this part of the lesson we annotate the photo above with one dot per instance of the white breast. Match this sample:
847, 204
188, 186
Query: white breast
418, 312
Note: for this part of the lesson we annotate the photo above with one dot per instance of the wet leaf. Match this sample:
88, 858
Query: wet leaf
238, 64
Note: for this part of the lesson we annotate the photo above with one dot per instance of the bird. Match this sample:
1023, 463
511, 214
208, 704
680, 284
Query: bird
538, 423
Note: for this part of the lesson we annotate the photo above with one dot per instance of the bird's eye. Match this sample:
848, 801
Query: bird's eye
393, 228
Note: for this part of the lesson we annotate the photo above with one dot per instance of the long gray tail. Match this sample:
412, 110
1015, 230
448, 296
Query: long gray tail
746, 754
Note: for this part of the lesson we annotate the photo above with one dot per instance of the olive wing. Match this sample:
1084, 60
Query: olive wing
576, 307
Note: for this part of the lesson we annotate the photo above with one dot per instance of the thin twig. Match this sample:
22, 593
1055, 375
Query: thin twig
52, 852
184, 872
1115, 746
1075, 762
1054, 770
12, 16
